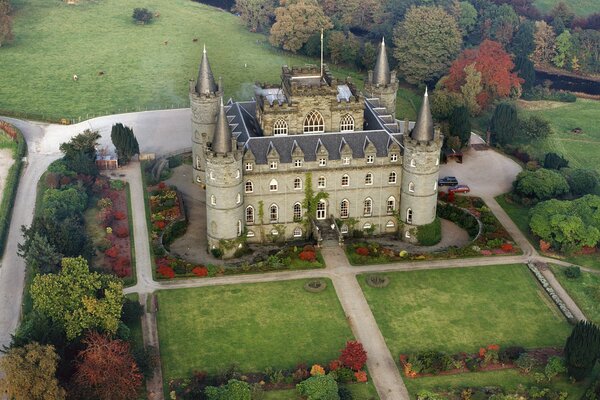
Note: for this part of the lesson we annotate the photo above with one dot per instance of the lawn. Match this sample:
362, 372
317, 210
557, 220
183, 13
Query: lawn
579, 7
583, 149
464, 309
143, 66
257, 326
520, 216
584, 290
507, 379
360, 391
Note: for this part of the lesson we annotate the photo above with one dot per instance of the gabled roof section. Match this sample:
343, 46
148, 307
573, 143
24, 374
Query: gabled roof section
344, 147
297, 150
272, 151
368, 146
320, 148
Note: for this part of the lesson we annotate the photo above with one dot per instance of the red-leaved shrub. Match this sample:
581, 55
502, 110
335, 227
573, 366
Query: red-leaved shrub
112, 252
507, 247
362, 251
122, 232
162, 185
166, 272
160, 225
544, 246
200, 271
354, 355
120, 215
361, 376
307, 255
334, 365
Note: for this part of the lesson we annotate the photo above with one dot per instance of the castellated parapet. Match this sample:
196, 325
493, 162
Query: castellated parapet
224, 199
386, 93
205, 108
418, 193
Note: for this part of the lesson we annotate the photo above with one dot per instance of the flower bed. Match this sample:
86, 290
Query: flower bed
563, 307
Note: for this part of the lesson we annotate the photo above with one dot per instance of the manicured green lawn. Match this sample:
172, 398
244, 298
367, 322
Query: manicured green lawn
507, 379
360, 391
144, 66
584, 290
257, 326
463, 309
579, 7
582, 150
520, 216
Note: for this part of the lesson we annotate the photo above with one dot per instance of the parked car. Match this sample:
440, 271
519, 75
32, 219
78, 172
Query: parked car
459, 189
448, 181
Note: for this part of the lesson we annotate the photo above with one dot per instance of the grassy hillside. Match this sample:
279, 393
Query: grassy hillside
579, 7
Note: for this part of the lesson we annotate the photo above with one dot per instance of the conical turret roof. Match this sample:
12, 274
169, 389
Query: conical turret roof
423, 130
206, 81
381, 73
222, 139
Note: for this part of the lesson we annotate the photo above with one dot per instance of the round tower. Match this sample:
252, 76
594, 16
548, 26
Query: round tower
224, 189
205, 96
420, 171
381, 83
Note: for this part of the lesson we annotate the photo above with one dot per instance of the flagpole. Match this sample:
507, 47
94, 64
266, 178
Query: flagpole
321, 53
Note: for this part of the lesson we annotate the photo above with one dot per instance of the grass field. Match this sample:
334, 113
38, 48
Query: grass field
507, 379
145, 66
579, 7
360, 391
256, 326
520, 216
585, 291
463, 309
582, 150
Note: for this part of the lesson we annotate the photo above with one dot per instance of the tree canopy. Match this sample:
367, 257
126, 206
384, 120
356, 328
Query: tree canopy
125, 142
78, 298
542, 184
233, 390
504, 123
426, 41
80, 152
319, 387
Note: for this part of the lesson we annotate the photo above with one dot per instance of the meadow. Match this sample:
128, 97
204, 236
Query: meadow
122, 66
579, 7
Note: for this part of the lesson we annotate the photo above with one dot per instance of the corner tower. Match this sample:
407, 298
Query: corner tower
381, 83
205, 96
224, 189
420, 171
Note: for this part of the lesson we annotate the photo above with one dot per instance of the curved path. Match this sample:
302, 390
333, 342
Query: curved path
167, 131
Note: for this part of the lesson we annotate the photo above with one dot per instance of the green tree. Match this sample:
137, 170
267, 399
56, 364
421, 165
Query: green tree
310, 202
426, 43
319, 387
80, 153
555, 161
564, 47
68, 236
582, 349
564, 12
545, 43
535, 127
581, 181
78, 298
523, 44
234, 390
368, 55
30, 373
6, 35
444, 101
465, 15
471, 89
60, 204
39, 254
541, 184
296, 22
258, 15
125, 142
526, 71
504, 123
460, 124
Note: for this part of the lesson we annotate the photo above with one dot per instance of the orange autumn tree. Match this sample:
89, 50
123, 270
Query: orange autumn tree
495, 66
106, 370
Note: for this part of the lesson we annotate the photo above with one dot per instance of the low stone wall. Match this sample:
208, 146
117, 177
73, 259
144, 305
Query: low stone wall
563, 307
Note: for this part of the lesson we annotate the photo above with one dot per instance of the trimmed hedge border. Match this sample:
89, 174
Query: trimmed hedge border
315, 285
12, 181
377, 281
563, 307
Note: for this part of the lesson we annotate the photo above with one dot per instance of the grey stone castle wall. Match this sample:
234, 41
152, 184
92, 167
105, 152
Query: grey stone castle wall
385, 93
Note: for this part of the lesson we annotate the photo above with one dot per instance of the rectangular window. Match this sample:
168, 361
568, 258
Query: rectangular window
322, 162
297, 163
394, 157
370, 159
249, 166
273, 165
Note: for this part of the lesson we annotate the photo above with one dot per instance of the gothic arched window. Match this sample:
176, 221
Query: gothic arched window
273, 213
344, 209
345, 180
280, 127
392, 177
411, 187
409, 215
347, 123
314, 122
368, 207
297, 212
391, 204
249, 215
249, 187
298, 232
273, 185
297, 183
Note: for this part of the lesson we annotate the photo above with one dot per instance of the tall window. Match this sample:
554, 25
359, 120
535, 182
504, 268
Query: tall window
280, 127
249, 215
344, 209
239, 228
213, 200
273, 185
297, 212
391, 205
321, 183
392, 177
435, 185
273, 213
297, 183
347, 123
368, 207
238, 199
369, 179
314, 122
411, 187
249, 187
345, 180
409, 215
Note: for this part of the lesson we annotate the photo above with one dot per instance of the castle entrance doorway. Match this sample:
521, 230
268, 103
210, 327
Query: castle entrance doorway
321, 210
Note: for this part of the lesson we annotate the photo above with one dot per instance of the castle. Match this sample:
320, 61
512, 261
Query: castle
255, 158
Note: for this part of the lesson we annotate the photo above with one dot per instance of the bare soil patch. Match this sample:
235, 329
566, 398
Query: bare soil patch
540, 104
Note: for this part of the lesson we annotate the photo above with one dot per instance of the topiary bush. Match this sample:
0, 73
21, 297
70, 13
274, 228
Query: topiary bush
430, 234
573, 272
377, 281
315, 285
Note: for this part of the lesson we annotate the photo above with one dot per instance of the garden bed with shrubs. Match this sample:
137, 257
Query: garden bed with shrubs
488, 239
316, 381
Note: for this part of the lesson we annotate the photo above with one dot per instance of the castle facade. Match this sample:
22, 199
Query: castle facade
367, 170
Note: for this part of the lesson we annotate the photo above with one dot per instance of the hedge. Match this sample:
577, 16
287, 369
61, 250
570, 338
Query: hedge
430, 234
12, 182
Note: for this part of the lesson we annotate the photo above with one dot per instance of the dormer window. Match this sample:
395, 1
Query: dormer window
322, 162
394, 157
273, 165
298, 162
346, 160
370, 159
249, 166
